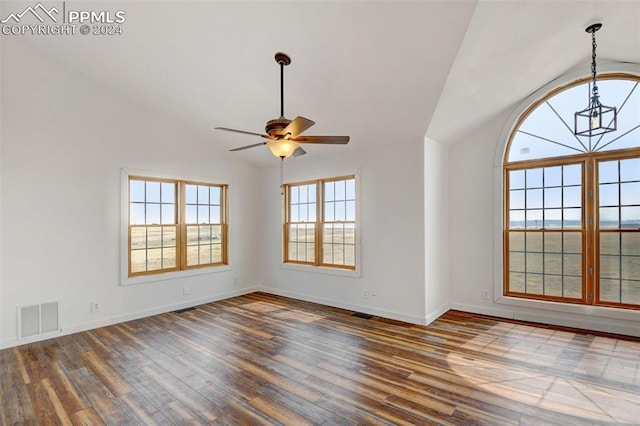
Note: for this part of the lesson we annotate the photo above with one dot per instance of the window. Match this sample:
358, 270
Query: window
320, 222
572, 204
175, 225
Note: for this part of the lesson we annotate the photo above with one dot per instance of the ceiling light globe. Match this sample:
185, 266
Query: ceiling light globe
282, 148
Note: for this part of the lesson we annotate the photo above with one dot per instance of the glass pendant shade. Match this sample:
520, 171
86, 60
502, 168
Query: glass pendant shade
282, 148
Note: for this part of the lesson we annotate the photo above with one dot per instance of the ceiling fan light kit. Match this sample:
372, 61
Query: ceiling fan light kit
283, 135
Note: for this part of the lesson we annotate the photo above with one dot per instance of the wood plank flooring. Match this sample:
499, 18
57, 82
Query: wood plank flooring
262, 359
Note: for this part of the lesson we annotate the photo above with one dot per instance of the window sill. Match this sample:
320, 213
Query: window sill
352, 273
142, 279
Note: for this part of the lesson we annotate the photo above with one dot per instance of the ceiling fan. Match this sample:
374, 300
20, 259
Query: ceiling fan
283, 135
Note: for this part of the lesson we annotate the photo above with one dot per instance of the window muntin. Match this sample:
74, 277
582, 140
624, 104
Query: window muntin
572, 205
320, 222
175, 225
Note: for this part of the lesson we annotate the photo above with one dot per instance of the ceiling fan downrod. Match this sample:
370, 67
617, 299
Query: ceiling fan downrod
283, 60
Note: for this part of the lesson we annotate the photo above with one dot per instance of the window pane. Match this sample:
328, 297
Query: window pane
168, 192
534, 219
630, 193
205, 254
572, 196
153, 192
340, 188
630, 170
572, 175
630, 267
630, 217
214, 195
609, 194
304, 214
609, 266
553, 218
350, 234
214, 212
169, 257
312, 212
216, 233
572, 287
516, 219
303, 194
329, 212
137, 214
609, 243
534, 178
516, 199
572, 242
203, 214
572, 218
533, 242
192, 214
552, 176
609, 218
203, 194
168, 236
154, 236
534, 262
138, 238
295, 216
608, 171
516, 179
153, 214
610, 290
192, 235
553, 285
192, 255
329, 191
340, 211
516, 282
534, 198
553, 197
553, 242
293, 191
311, 192
138, 261
191, 194
154, 259
553, 263
573, 264
136, 190
516, 261
534, 284
351, 189
168, 214
630, 291
631, 243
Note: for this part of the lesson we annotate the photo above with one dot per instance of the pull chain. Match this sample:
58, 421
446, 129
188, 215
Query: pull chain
281, 175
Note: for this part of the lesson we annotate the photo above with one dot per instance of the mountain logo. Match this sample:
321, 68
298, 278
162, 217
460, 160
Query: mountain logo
38, 11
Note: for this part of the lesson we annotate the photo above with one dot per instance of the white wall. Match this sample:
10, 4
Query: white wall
64, 140
392, 232
475, 242
436, 219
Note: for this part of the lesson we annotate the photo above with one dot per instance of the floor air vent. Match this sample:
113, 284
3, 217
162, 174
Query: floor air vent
38, 319
180, 311
361, 315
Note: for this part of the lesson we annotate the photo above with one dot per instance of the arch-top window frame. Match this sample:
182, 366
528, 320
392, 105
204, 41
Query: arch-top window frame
570, 251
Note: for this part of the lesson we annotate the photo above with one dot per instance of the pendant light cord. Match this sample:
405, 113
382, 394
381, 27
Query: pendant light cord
594, 88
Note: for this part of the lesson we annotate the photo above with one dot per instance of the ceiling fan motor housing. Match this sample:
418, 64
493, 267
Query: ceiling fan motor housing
275, 126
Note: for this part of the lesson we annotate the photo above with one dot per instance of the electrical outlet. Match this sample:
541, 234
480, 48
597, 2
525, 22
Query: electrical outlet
365, 293
95, 306
186, 290
236, 282
485, 294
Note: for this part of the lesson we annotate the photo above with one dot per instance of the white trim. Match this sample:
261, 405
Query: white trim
76, 328
355, 273
124, 227
587, 312
348, 306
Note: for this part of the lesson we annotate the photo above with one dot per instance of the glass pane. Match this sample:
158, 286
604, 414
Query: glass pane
573, 264
327, 253
350, 255
216, 253
553, 197
304, 214
169, 257
630, 291
516, 282
303, 194
534, 242
327, 233
610, 290
572, 196
350, 234
630, 217
610, 243
203, 194
292, 251
516, 241
534, 178
214, 212
351, 189
609, 266
312, 212
329, 209
340, 211
534, 283
534, 198
329, 191
153, 214
338, 234
293, 193
138, 238
311, 192
552, 176
630, 266
205, 254
516, 261
168, 192
630, 170
136, 190
203, 214
351, 211
294, 212
534, 262
609, 218
553, 242
572, 218
192, 214
631, 243
154, 236
516, 219
572, 242
630, 193
534, 219
516, 179
154, 259
608, 171
168, 214
608, 194
136, 214
168, 236
191, 194
214, 195
204, 234
153, 192
192, 235
572, 175
138, 261
516, 199
572, 287
552, 218
553, 285
216, 234
340, 187
310, 252
192, 255
552, 263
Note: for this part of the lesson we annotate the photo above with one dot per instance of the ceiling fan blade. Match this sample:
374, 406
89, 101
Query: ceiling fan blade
248, 146
243, 132
297, 126
299, 151
322, 139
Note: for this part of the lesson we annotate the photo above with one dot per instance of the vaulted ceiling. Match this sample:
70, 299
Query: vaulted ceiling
381, 72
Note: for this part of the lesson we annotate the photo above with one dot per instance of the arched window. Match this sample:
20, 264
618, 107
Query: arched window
572, 204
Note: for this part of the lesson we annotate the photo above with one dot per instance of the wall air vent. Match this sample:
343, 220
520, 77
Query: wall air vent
38, 319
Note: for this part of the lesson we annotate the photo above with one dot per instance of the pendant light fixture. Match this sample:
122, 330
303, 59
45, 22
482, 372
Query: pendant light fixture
596, 119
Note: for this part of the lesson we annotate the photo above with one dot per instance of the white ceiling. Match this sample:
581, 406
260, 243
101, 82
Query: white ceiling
381, 72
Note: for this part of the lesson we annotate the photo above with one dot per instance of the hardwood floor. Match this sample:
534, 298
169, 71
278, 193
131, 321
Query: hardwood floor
263, 359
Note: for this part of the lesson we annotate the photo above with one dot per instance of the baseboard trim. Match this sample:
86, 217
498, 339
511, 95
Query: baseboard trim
103, 322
